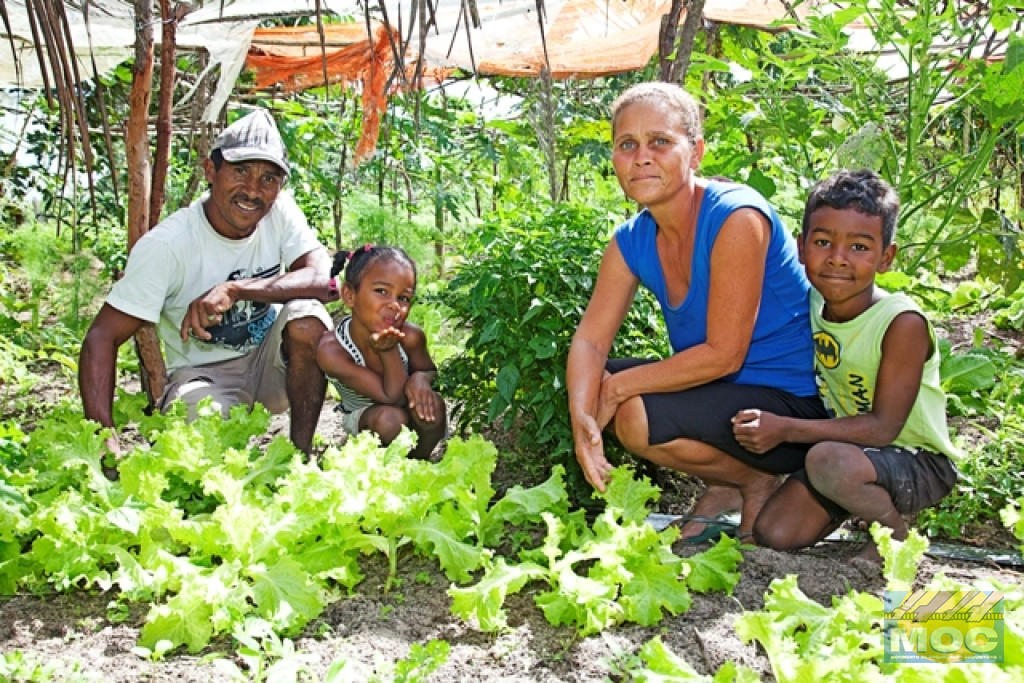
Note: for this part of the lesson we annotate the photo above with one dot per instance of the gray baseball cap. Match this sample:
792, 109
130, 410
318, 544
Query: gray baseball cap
253, 137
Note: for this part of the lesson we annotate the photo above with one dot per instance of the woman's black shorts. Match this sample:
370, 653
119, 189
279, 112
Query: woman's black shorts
705, 414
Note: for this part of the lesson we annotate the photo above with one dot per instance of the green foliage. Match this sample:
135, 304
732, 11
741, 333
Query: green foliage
46, 297
1010, 313
656, 664
267, 657
423, 660
18, 378
1013, 519
806, 641
965, 375
17, 667
320, 156
989, 478
110, 247
370, 223
930, 113
221, 536
619, 570
431, 314
983, 388
520, 294
52, 281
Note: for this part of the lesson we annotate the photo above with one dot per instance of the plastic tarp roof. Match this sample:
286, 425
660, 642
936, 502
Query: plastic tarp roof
583, 38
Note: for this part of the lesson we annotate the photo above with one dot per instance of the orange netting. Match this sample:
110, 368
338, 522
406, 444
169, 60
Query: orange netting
291, 58
584, 38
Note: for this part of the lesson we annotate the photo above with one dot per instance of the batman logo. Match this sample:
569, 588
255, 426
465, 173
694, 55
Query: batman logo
826, 350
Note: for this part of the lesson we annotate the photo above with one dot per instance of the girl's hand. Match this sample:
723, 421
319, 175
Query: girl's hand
758, 430
386, 339
422, 398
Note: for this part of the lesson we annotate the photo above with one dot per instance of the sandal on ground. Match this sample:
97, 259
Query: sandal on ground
714, 527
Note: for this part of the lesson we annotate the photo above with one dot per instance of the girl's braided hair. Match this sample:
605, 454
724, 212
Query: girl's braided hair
355, 262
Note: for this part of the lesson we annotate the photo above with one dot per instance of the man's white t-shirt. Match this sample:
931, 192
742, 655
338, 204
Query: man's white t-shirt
183, 257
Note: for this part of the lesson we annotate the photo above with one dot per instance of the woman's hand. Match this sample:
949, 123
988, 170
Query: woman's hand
607, 402
758, 430
590, 451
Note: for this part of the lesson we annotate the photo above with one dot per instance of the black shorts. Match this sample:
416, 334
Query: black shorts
913, 477
705, 414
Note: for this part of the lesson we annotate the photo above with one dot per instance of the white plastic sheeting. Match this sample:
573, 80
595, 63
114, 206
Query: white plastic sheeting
509, 31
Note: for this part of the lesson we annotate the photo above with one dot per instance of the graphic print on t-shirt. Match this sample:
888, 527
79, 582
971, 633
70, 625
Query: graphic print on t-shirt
826, 349
244, 325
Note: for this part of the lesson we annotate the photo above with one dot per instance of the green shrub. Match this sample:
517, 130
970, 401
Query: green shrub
371, 223
520, 293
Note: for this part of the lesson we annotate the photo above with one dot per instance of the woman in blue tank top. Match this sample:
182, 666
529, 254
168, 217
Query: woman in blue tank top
734, 298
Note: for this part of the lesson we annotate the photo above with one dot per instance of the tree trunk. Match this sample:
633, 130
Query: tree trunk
163, 117
675, 42
152, 370
543, 120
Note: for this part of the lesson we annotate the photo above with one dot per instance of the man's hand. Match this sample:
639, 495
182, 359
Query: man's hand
108, 460
590, 451
205, 311
757, 430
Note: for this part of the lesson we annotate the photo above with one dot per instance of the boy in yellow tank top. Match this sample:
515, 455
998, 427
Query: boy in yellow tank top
886, 450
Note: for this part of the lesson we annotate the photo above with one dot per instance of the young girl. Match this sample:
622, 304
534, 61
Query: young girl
377, 359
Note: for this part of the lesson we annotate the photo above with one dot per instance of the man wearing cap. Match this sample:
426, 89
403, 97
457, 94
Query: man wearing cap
234, 283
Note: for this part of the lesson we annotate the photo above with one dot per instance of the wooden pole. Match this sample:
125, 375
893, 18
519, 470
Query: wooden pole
152, 370
675, 42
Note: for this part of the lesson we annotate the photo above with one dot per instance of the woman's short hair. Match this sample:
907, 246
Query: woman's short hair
680, 101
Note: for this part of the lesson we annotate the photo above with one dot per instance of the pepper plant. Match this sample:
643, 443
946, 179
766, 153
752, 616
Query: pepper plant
521, 293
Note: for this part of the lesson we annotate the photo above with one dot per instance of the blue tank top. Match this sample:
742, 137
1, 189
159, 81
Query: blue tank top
781, 353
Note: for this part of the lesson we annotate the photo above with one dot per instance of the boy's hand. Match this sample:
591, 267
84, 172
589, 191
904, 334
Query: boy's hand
758, 430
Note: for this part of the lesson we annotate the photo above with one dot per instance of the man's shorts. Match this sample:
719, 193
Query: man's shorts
705, 414
259, 376
913, 477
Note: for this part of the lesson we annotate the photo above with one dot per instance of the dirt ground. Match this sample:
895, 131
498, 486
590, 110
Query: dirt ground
373, 630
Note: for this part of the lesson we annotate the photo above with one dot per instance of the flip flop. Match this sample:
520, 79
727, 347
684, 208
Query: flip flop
714, 527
